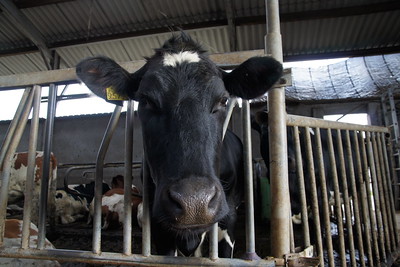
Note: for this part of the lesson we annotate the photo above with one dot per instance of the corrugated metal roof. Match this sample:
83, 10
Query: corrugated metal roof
128, 30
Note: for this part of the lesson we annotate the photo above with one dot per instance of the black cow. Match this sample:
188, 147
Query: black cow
182, 98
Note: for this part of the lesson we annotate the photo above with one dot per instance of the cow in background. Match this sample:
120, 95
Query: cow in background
112, 205
72, 203
12, 238
195, 178
17, 184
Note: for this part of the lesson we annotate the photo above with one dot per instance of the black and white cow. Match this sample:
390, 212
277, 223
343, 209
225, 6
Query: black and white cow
196, 178
72, 203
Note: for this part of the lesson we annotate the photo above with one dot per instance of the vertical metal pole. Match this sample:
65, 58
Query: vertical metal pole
355, 199
377, 207
280, 212
314, 195
128, 180
338, 204
30, 172
325, 200
146, 229
302, 188
248, 170
364, 197
388, 192
44, 186
112, 124
214, 242
367, 177
345, 194
375, 169
5, 176
13, 124
380, 171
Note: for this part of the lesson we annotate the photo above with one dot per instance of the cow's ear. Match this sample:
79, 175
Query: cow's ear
253, 77
108, 80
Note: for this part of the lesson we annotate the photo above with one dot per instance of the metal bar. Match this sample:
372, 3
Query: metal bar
388, 193
13, 125
44, 183
314, 122
128, 179
325, 199
354, 192
68, 76
378, 212
314, 196
5, 175
375, 169
368, 183
112, 124
108, 258
248, 171
214, 242
30, 172
338, 210
302, 188
345, 194
146, 223
364, 199
380, 170
280, 211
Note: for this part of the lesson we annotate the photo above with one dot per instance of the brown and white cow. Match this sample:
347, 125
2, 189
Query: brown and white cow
112, 204
18, 173
12, 238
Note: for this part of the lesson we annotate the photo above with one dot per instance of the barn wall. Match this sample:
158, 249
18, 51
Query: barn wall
76, 140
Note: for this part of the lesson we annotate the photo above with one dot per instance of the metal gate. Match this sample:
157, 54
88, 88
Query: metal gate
348, 169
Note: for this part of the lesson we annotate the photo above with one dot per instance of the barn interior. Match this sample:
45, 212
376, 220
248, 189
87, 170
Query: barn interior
38, 37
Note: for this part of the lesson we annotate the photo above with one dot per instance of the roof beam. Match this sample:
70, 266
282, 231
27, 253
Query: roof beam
28, 29
230, 16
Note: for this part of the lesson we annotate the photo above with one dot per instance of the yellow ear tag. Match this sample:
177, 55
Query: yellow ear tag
112, 95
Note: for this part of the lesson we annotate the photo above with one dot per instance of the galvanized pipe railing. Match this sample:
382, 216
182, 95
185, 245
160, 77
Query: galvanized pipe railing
314, 195
377, 206
30, 172
248, 170
364, 198
44, 186
379, 171
361, 173
280, 208
112, 124
7, 161
128, 179
354, 193
345, 194
302, 188
325, 199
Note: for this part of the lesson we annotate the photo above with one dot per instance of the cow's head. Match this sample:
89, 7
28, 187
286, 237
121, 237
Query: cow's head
182, 99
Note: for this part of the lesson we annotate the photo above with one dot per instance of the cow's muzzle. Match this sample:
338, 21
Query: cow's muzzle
195, 202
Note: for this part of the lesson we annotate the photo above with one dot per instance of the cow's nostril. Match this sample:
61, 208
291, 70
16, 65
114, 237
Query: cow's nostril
176, 203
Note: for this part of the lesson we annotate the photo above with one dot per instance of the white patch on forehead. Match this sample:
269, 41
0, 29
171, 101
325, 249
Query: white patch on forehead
178, 58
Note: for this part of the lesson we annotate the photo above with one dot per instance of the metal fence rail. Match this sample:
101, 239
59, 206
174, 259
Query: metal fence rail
348, 169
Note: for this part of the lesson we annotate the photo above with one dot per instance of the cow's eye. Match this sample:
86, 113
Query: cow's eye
146, 103
220, 105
